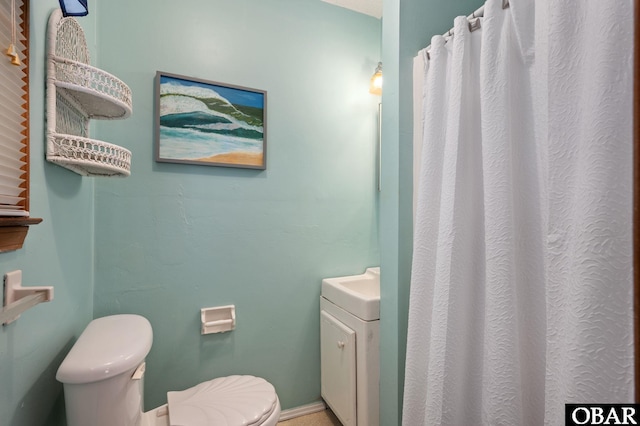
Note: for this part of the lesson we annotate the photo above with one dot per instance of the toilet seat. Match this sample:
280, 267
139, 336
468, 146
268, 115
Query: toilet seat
232, 400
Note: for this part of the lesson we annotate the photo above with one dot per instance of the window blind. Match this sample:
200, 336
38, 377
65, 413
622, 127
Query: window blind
14, 104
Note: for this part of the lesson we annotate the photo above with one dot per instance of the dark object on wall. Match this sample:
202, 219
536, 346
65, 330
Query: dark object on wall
74, 7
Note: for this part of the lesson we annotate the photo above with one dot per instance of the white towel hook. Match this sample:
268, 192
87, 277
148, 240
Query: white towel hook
18, 299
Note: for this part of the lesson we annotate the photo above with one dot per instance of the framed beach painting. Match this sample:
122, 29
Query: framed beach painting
211, 124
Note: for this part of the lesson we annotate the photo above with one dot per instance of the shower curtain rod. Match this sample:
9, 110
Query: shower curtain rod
474, 22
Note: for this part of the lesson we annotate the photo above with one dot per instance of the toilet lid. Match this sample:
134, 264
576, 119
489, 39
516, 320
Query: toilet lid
233, 400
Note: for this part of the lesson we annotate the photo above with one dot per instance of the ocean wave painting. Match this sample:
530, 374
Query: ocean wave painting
208, 123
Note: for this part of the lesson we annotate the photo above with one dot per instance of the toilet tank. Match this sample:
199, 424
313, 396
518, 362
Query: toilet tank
102, 373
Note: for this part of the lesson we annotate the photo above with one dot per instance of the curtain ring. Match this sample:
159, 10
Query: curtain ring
474, 24
505, 4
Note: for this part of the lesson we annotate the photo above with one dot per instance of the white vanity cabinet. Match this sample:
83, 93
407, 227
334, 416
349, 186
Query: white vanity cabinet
338, 362
350, 365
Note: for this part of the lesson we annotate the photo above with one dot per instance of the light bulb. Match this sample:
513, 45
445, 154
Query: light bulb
375, 86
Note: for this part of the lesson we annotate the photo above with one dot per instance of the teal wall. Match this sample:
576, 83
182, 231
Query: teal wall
171, 239
57, 252
407, 27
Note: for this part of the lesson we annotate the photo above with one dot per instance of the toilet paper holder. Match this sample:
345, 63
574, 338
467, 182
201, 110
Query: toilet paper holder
218, 319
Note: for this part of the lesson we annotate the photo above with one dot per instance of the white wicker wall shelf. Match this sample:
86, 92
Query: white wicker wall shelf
76, 93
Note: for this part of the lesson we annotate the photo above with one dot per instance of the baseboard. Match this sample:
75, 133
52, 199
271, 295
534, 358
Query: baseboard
292, 413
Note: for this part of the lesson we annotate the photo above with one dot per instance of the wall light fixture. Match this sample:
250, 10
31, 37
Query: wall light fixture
375, 87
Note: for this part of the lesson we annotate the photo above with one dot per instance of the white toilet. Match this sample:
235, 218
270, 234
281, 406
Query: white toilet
103, 385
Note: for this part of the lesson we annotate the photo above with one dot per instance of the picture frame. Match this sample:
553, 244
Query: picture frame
208, 123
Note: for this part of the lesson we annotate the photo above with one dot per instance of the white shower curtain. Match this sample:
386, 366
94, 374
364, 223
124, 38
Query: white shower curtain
521, 289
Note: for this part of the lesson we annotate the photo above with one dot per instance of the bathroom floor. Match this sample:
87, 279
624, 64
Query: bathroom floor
322, 418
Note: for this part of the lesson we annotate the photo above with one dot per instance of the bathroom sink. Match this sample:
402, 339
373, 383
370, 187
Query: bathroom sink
356, 294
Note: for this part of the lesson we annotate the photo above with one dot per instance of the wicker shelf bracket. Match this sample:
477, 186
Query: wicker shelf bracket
76, 93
